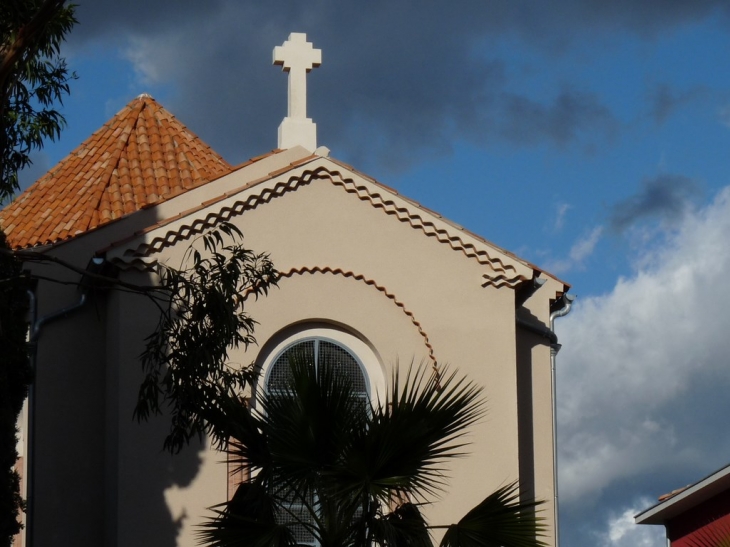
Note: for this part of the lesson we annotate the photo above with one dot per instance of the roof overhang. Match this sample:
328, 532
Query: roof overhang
501, 267
688, 498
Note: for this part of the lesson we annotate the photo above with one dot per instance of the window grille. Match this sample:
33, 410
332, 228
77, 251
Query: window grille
318, 352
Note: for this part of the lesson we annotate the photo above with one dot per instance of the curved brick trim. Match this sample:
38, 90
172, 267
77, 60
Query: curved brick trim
501, 275
237, 474
148, 265
305, 270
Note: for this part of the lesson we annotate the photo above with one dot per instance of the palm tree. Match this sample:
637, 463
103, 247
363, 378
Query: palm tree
331, 469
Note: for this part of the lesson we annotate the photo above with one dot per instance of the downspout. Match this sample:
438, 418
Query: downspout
554, 349
35, 329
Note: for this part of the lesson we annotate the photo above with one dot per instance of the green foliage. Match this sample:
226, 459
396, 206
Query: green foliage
347, 473
15, 376
202, 318
33, 77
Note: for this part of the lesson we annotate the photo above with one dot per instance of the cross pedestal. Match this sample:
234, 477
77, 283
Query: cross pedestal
297, 57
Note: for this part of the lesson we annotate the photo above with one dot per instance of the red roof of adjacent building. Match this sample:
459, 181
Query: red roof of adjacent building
140, 157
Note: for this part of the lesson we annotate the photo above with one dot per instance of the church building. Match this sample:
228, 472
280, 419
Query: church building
365, 274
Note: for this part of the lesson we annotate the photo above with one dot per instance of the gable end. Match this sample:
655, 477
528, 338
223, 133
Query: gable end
503, 270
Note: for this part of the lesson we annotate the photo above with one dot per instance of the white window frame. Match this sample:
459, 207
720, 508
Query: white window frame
362, 352
369, 363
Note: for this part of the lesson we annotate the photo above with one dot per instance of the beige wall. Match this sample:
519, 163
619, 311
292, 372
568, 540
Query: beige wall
536, 435
347, 264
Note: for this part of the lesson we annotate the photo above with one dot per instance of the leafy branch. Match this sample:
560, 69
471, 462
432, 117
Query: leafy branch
33, 76
186, 359
202, 317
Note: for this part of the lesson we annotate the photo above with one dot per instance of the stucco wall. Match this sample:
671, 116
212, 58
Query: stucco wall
346, 264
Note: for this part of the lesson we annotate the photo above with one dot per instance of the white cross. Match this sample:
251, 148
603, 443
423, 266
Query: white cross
297, 57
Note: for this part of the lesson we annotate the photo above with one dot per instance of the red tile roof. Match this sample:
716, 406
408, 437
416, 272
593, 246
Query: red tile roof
142, 156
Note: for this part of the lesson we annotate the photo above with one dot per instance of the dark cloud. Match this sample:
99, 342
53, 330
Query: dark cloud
665, 197
400, 80
571, 114
665, 101
535, 20
646, 17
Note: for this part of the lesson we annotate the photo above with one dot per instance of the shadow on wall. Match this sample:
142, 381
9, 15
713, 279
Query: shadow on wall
525, 343
161, 515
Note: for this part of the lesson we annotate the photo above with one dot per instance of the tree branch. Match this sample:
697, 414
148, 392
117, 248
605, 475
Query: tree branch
27, 37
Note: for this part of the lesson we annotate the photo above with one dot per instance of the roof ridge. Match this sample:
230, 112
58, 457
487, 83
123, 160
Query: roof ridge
162, 176
183, 153
121, 144
171, 169
195, 138
112, 173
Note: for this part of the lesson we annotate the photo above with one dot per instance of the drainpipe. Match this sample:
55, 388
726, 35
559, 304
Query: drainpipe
35, 330
554, 349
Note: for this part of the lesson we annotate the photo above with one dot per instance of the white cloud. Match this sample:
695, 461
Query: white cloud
621, 531
584, 247
724, 115
579, 252
560, 213
643, 374
146, 66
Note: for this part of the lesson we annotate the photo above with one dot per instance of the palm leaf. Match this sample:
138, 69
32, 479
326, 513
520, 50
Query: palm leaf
240, 431
310, 423
501, 520
328, 463
408, 440
403, 527
247, 520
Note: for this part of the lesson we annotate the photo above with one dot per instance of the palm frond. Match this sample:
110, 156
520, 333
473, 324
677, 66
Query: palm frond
328, 463
239, 430
501, 520
408, 440
403, 527
309, 423
247, 520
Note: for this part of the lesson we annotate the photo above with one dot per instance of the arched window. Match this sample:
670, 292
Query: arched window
319, 352
346, 355
323, 343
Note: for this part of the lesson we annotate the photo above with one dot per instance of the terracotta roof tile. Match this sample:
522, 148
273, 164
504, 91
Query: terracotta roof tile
142, 155
673, 493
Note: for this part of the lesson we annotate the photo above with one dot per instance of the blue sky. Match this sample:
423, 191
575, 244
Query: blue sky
590, 138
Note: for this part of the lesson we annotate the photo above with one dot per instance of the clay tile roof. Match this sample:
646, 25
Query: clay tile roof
673, 493
142, 156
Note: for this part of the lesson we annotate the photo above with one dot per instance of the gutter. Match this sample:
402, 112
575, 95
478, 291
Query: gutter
36, 324
554, 349
540, 330
549, 334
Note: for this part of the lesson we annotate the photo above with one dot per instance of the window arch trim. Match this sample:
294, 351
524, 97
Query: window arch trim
317, 352
360, 349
